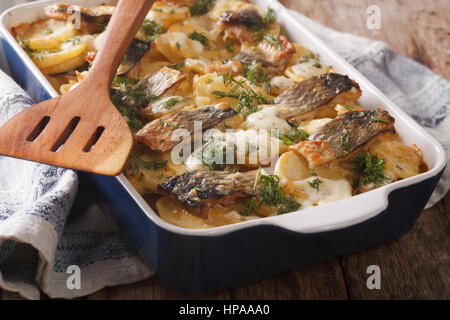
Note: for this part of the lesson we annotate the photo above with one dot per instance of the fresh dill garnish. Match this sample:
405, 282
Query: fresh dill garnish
375, 119
178, 45
227, 126
48, 31
215, 152
345, 142
370, 168
197, 36
273, 39
229, 47
256, 75
170, 103
309, 56
35, 53
349, 107
272, 195
248, 98
258, 33
201, 7
74, 41
317, 63
269, 17
128, 96
227, 78
294, 135
316, 182
151, 30
249, 207
158, 10
137, 163
26, 46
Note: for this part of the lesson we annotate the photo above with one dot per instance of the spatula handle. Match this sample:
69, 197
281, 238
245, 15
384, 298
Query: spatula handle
122, 28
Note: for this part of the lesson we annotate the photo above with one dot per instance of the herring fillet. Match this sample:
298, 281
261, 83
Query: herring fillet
343, 135
157, 134
314, 92
201, 190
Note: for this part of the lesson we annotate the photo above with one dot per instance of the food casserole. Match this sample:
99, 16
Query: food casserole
191, 259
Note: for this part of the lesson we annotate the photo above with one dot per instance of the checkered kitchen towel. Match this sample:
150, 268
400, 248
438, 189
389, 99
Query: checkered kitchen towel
45, 227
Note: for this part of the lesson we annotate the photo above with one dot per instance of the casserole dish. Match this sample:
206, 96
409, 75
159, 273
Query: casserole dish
200, 260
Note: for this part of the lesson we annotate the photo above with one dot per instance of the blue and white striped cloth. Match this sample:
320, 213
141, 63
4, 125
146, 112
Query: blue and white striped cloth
45, 226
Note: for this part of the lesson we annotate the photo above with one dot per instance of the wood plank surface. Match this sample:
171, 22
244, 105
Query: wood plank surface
414, 266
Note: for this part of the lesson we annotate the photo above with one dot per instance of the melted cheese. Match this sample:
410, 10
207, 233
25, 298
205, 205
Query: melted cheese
329, 191
266, 118
308, 69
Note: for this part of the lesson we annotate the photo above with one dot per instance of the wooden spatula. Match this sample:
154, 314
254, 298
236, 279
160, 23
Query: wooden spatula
82, 129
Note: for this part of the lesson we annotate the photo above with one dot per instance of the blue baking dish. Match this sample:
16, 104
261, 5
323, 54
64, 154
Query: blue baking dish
209, 259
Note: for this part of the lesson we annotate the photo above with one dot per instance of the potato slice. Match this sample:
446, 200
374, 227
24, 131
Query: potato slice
292, 167
304, 65
48, 34
46, 60
174, 213
205, 85
65, 66
180, 41
163, 46
402, 161
166, 15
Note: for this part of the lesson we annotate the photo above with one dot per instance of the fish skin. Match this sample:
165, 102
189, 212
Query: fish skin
134, 53
201, 190
157, 134
313, 93
162, 80
246, 17
239, 24
269, 67
343, 135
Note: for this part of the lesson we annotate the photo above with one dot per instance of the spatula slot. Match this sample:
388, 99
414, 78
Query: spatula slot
94, 138
66, 134
38, 129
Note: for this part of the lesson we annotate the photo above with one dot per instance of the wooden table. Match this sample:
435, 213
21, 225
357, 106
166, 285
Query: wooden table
414, 266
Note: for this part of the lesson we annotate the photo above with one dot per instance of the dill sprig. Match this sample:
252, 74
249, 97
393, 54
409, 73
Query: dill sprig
316, 182
137, 163
273, 39
256, 75
249, 100
345, 142
250, 206
269, 17
376, 119
35, 52
214, 148
128, 96
295, 135
272, 195
170, 103
151, 30
201, 7
197, 36
370, 168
